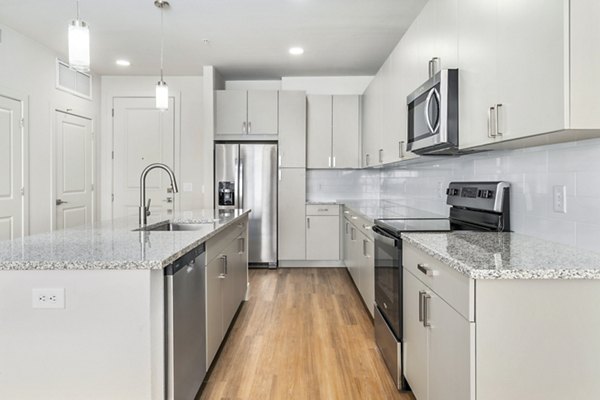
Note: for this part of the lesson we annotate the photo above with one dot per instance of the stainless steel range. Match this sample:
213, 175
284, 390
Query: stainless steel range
478, 206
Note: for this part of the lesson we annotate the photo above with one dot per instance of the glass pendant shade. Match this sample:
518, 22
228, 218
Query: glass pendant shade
79, 45
162, 95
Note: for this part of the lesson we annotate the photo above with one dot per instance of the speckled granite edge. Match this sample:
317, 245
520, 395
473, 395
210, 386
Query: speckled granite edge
474, 273
49, 265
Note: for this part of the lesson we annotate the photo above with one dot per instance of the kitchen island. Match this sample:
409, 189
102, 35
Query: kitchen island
100, 330
494, 316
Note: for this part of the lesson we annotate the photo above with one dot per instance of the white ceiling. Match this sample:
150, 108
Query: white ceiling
249, 39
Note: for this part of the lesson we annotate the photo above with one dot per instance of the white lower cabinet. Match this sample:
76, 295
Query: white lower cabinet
436, 344
292, 214
439, 328
322, 232
226, 285
359, 250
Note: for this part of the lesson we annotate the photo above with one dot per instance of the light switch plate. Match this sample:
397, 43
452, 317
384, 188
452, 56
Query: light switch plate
48, 298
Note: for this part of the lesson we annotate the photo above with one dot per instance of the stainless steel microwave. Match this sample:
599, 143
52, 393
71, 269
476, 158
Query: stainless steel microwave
433, 115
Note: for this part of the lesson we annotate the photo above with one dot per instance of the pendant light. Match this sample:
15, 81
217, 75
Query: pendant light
79, 44
162, 90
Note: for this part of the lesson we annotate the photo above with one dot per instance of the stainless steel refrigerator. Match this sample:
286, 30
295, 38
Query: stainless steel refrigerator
246, 177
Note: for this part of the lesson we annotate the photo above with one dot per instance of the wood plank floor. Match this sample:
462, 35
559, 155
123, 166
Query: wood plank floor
304, 334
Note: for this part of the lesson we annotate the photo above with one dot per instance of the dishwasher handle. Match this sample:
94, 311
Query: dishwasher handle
184, 261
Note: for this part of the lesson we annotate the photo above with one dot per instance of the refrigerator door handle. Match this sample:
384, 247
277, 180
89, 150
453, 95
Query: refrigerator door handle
241, 183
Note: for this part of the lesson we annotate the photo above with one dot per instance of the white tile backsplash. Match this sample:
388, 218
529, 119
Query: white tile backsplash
532, 172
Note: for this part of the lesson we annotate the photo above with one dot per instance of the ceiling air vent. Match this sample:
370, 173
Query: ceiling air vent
75, 82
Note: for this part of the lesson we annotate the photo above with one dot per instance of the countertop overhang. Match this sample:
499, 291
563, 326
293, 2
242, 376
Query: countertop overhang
114, 245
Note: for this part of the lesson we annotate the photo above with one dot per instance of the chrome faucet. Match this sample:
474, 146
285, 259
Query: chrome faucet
144, 211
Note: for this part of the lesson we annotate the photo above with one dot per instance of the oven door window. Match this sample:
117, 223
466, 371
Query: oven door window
424, 115
388, 281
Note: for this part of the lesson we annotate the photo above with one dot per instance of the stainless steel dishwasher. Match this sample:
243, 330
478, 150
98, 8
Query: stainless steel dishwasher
185, 324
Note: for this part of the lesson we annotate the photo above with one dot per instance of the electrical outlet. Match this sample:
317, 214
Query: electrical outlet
48, 298
560, 199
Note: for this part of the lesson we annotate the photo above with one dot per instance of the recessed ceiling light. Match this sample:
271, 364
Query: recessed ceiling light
123, 63
296, 51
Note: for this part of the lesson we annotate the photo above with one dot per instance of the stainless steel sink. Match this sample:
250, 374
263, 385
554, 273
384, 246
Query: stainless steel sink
176, 226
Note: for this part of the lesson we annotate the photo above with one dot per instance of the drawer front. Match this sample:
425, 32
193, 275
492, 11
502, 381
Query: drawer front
216, 244
362, 224
453, 287
322, 209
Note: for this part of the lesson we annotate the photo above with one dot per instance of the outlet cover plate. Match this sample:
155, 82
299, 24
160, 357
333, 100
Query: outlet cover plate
48, 298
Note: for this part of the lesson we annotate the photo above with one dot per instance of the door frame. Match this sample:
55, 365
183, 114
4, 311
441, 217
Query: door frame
53, 206
22, 98
176, 96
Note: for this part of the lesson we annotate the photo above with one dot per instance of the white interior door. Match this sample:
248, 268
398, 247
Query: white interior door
73, 171
11, 169
142, 135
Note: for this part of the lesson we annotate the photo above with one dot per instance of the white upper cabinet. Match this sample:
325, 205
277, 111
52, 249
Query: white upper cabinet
319, 131
531, 69
372, 123
262, 112
478, 70
333, 131
346, 131
522, 76
231, 112
240, 112
292, 129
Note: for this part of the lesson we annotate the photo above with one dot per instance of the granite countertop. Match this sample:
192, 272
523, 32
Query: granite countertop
114, 244
490, 255
382, 209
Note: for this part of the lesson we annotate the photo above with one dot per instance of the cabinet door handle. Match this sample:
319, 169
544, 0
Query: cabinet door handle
421, 293
365, 243
279, 160
497, 124
401, 149
329, 162
244, 131
367, 159
308, 223
333, 161
380, 155
249, 127
223, 274
279, 174
425, 269
489, 120
242, 247
347, 228
352, 233
426, 298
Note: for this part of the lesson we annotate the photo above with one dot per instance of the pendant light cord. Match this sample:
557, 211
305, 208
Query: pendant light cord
162, 43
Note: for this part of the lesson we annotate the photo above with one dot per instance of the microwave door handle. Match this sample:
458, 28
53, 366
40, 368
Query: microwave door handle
439, 102
427, 103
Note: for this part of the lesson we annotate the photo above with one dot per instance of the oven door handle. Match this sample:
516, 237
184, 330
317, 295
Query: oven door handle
381, 232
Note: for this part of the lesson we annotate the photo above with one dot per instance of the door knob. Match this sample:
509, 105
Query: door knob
59, 202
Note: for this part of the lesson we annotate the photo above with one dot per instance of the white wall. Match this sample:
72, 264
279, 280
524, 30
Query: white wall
327, 84
28, 69
189, 165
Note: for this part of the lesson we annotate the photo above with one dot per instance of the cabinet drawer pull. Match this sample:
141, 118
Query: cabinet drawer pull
426, 298
244, 131
380, 155
421, 293
365, 243
323, 209
249, 127
498, 132
425, 269
352, 235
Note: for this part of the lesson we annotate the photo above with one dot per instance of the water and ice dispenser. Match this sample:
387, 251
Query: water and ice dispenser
226, 193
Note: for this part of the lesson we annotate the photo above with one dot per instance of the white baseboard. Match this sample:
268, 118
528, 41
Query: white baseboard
311, 264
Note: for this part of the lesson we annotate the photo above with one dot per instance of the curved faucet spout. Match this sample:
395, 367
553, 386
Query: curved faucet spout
144, 210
